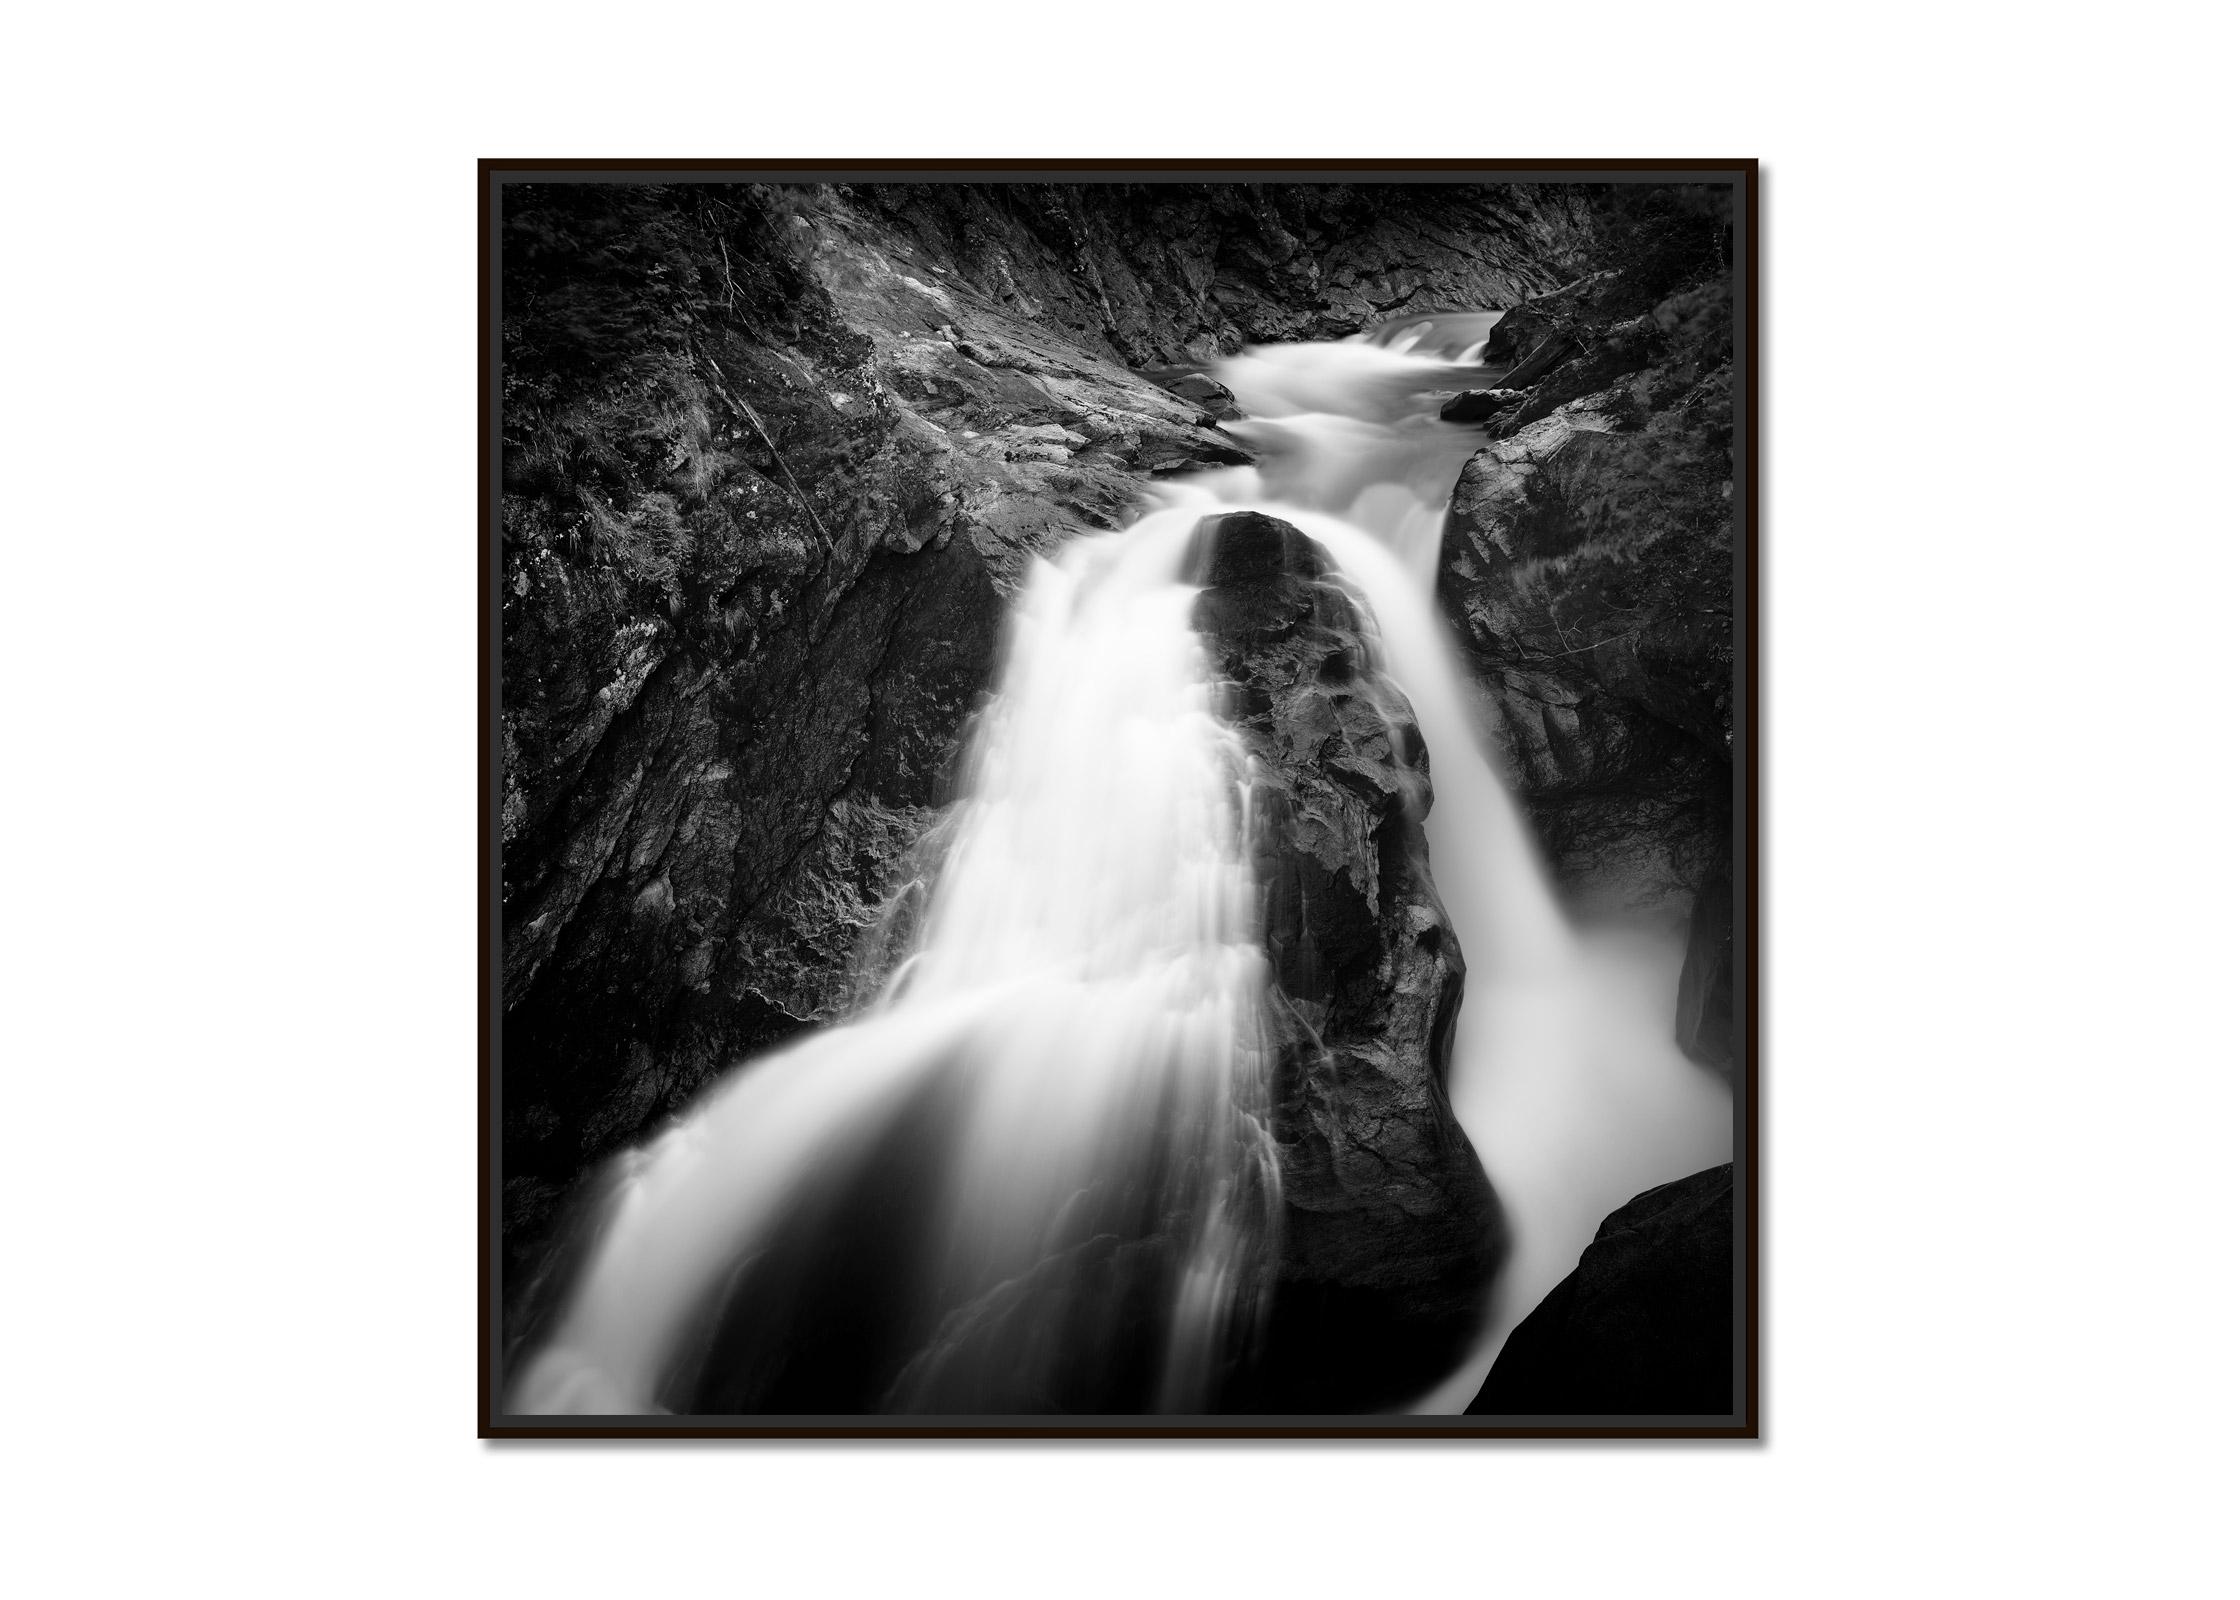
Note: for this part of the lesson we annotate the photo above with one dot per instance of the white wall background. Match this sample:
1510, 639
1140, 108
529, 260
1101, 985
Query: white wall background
239, 760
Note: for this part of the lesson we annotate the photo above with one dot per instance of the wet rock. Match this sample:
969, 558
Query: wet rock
1202, 391
1531, 339
1588, 571
1391, 1232
1644, 1326
1513, 337
1704, 1023
1475, 405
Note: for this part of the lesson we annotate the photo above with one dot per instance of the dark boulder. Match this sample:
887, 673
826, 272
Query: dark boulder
1543, 333
1202, 391
1390, 1228
1513, 337
1476, 405
1644, 1326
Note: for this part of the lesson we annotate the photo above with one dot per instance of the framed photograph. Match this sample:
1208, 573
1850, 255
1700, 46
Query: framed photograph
1119, 799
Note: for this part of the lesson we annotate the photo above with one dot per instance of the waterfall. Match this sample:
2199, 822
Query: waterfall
1047, 1141
1072, 1054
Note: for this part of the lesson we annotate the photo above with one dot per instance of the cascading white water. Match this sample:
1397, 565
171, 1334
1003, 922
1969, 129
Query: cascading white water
1077, 1046
1564, 1073
1079, 1030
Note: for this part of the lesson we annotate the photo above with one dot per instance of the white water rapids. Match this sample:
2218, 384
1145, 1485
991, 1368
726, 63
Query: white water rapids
1075, 1051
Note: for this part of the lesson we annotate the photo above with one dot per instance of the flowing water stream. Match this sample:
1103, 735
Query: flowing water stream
1076, 1052
1565, 1072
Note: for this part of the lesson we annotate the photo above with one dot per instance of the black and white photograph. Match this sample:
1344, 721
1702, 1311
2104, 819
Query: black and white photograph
1119, 800
1178, 801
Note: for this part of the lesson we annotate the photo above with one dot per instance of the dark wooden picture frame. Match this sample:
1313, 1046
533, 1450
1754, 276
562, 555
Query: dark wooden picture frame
1744, 1422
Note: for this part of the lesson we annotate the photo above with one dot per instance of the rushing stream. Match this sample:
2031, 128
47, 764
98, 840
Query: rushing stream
1075, 1050
1565, 1073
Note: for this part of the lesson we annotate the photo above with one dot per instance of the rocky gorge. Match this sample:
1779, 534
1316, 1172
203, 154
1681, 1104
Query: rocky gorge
776, 459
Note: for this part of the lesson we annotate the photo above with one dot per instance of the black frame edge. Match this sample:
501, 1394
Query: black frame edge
489, 173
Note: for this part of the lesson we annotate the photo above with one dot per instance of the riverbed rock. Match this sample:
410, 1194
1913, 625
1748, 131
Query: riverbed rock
1644, 1326
1391, 1232
1476, 405
1202, 391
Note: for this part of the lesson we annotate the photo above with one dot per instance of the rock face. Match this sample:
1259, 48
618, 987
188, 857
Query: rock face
1390, 1229
774, 458
1645, 1326
1176, 273
1588, 568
